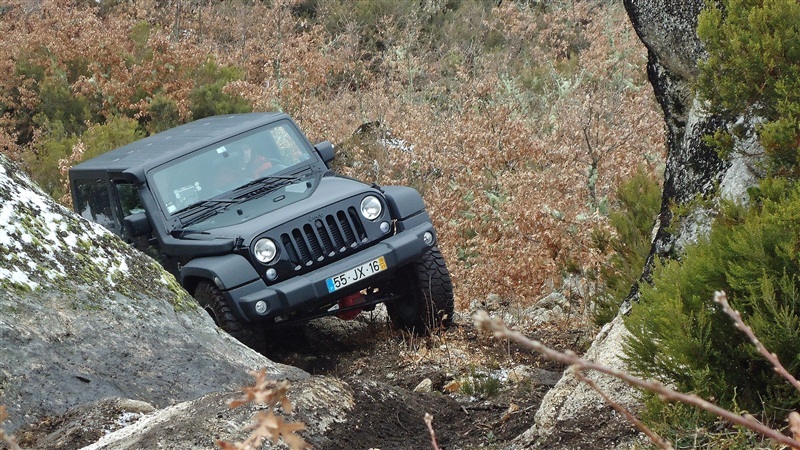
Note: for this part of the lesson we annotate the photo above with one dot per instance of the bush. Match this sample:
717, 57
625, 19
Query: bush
753, 71
637, 204
58, 145
680, 337
209, 98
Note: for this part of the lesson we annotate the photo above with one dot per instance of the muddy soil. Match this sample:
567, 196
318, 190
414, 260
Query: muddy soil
482, 393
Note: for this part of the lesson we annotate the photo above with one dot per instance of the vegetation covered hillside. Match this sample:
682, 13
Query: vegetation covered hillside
515, 119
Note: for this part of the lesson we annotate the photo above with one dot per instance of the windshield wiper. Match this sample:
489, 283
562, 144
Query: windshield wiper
268, 181
187, 217
202, 203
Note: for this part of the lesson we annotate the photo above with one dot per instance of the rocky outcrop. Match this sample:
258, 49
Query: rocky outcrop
693, 170
321, 403
83, 317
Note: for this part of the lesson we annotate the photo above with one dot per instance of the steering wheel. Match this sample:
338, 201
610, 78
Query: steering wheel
276, 164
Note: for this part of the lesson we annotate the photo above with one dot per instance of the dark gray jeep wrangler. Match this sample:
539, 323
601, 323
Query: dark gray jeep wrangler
246, 213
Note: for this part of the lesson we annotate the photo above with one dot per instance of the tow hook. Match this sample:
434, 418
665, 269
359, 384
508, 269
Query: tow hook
350, 301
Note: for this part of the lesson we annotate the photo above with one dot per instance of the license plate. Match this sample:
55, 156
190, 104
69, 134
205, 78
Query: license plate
355, 274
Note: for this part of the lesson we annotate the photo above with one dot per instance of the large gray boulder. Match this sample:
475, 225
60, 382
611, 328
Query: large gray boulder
83, 317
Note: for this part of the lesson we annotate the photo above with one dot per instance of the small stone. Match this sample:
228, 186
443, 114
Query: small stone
425, 385
519, 374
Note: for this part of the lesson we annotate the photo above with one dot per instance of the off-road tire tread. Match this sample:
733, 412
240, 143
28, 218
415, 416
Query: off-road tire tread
210, 297
432, 294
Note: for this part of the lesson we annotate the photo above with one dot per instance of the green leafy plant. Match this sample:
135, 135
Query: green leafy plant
637, 203
209, 98
481, 384
679, 337
753, 71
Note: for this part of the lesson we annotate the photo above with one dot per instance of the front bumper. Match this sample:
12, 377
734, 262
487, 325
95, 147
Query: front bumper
308, 291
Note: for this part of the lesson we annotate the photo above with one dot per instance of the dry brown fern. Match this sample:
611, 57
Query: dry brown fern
266, 424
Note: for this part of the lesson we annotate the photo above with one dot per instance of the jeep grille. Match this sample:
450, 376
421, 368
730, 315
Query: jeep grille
325, 237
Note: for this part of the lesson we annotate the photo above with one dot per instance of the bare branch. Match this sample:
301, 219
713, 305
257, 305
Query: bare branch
722, 298
652, 435
494, 325
429, 423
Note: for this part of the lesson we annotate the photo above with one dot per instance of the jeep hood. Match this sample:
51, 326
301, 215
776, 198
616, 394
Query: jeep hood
304, 198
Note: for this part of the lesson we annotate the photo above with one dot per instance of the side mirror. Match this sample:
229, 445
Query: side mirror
326, 152
136, 225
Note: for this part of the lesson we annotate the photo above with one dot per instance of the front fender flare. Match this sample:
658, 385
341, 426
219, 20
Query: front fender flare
403, 201
227, 271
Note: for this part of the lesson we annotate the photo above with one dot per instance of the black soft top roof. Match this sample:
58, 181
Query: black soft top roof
139, 156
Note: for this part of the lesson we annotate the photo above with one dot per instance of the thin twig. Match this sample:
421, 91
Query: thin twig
484, 322
722, 298
652, 435
429, 423
7, 438
794, 426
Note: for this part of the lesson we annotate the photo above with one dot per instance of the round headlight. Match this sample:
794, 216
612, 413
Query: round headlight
371, 207
265, 250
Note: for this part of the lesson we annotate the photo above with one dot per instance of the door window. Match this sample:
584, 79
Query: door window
94, 202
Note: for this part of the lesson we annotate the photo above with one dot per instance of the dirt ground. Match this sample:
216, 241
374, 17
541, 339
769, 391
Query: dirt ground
483, 393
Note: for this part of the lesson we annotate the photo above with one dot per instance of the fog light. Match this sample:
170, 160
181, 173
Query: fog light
261, 306
272, 274
427, 238
385, 227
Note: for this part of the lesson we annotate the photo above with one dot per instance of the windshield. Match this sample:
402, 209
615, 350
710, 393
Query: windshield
224, 167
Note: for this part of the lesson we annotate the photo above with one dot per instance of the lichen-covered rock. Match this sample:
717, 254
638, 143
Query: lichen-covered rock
83, 316
320, 403
571, 403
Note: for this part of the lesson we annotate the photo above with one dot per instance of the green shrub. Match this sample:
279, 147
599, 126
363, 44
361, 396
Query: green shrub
163, 114
637, 203
680, 337
58, 144
689, 427
117, 132
208, 97
753, 70
481, 385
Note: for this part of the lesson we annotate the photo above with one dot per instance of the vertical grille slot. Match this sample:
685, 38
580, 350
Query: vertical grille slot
313, 242
347, 227
301, 245
325, 236
337, 233
358, 229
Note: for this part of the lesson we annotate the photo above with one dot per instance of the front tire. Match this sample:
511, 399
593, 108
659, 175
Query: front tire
425, 295
214, 302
